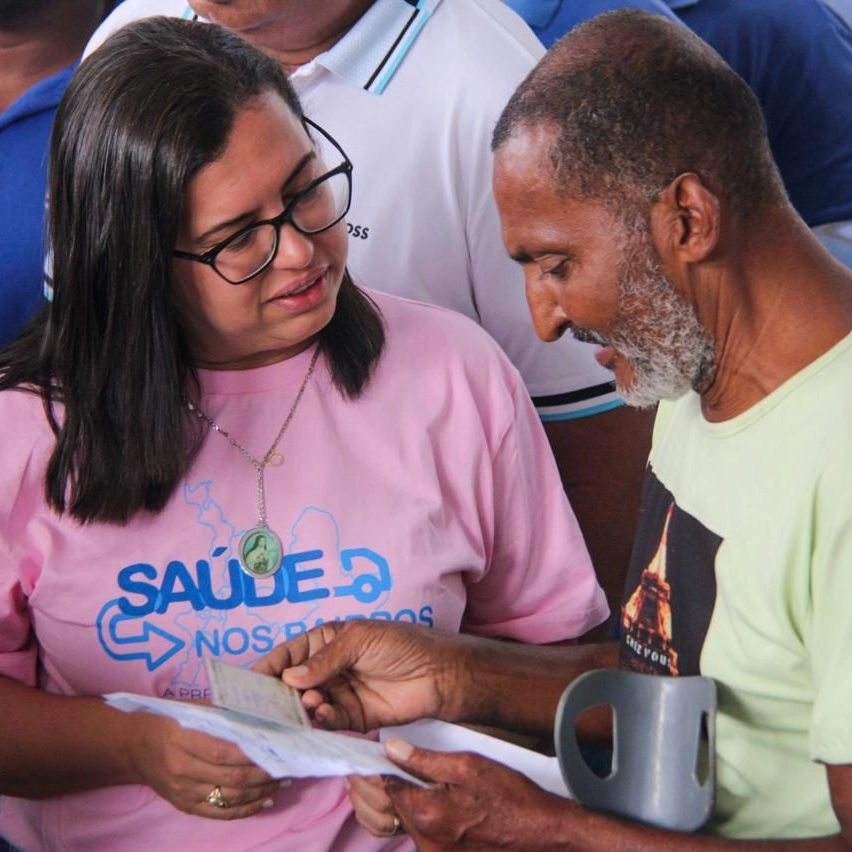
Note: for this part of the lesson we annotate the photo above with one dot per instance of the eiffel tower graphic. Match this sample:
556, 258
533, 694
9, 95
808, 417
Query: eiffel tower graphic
646, 618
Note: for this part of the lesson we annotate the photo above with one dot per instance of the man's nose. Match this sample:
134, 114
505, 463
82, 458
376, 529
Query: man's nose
548, 317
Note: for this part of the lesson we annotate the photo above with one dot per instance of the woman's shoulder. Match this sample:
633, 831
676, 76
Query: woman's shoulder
429, 341
22, 418
21, 399
25, 448
422, 323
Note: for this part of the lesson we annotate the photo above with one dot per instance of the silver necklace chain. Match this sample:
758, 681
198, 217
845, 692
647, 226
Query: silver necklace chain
271, 456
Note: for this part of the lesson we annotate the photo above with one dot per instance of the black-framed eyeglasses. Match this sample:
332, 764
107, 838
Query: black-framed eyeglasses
321, 204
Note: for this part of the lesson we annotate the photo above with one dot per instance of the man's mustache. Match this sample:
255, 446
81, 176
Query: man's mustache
584, 335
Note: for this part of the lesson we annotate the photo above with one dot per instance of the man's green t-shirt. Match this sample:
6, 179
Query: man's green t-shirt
742, 571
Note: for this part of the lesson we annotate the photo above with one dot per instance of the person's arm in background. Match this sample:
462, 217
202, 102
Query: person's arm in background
40, 44
602, 460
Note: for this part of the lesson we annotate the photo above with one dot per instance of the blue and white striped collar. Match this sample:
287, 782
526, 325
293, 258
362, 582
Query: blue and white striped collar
371, 52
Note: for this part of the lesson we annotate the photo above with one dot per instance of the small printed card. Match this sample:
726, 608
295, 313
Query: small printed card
254, 694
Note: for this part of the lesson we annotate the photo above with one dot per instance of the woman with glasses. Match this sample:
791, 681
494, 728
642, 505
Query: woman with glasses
212, 441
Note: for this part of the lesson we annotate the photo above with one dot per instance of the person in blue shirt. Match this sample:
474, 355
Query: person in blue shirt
40, 44
797, 58
551, 19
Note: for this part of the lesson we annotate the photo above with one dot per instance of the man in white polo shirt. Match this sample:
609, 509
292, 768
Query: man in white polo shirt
412, 90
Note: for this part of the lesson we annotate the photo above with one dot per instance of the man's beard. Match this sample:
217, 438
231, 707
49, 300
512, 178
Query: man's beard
657, 330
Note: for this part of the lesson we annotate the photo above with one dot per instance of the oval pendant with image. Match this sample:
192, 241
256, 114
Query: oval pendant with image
260, 552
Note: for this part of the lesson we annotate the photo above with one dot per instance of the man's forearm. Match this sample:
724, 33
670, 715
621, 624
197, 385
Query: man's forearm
516, 686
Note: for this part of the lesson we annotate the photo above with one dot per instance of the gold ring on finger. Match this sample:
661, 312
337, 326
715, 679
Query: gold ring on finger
216, 799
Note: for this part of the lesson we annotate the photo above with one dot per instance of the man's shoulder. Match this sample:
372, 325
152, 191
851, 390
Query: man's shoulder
483, 32
498, 17
34, 109
762, 20
471, 52
133, 10
551, 20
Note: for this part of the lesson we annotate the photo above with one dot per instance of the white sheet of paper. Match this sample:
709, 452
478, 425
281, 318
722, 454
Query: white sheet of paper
283, 750
442, 736
259, 695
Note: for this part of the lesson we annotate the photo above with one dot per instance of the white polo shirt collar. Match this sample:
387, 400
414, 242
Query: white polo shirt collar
371, 52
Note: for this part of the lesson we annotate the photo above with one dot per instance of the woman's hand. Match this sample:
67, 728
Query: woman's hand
373, 807
187, 768
52, 745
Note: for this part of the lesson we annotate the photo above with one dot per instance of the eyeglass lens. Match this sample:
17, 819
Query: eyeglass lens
313, 212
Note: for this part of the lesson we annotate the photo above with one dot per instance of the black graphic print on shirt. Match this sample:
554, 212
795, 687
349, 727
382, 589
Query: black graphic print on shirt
671, 587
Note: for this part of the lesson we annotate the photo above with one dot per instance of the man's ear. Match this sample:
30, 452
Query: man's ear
685, 219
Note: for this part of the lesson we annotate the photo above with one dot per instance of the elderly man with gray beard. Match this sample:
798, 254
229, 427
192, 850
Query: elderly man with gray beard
637, 191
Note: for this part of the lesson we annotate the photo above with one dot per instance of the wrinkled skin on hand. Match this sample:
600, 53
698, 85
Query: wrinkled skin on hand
474, 803
183, 766
359, 675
